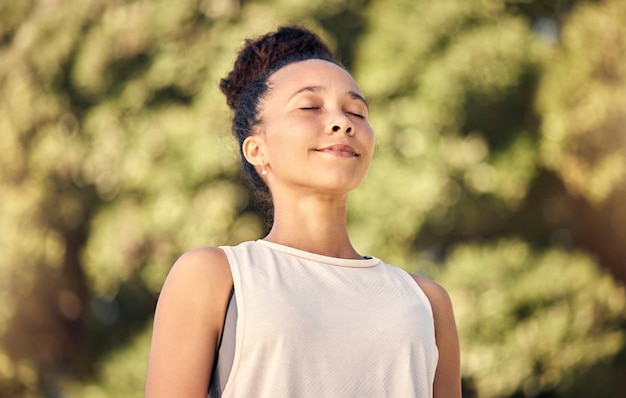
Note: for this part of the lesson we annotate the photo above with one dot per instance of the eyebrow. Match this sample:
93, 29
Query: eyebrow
315, 89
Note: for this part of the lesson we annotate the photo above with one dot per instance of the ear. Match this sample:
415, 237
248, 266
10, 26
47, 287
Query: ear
252, 149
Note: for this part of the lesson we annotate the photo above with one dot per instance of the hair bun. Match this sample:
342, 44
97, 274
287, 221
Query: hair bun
261, 54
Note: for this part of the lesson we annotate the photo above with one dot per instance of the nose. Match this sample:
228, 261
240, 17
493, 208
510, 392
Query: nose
341, 124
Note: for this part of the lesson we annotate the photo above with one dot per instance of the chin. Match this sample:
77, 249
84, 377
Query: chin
332, 181
344, 185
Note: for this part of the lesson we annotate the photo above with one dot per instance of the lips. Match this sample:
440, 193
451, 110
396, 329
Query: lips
340, 150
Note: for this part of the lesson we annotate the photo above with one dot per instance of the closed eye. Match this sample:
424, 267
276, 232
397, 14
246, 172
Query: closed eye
356, 114
310, 108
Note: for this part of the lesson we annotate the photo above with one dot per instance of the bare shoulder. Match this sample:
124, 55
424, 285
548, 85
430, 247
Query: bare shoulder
207, 259
201, 279
200, 268
206, 262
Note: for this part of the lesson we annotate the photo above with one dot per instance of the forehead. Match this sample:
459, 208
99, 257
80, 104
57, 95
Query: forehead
313, 72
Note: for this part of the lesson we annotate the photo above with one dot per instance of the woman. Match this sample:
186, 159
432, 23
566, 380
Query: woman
300, 313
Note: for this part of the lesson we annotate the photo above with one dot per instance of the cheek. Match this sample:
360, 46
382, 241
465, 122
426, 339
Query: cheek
286, 144
370, 139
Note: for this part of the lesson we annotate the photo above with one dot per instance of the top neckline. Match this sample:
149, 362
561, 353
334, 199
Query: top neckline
365, 262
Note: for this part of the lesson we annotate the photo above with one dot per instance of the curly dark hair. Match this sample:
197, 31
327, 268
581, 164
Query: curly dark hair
246, 85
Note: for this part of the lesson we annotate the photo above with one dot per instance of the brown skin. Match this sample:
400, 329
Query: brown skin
187, 323
316, 145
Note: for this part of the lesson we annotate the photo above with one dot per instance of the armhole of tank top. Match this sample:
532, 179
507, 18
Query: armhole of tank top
420, 292
229, 338
214, 387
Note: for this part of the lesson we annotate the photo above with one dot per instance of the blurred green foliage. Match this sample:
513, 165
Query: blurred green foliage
532, 317
500, 172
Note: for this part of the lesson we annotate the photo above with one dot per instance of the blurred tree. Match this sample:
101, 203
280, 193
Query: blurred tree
583, 103
533, 320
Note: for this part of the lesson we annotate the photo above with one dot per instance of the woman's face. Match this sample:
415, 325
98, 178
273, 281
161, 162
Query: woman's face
314, 133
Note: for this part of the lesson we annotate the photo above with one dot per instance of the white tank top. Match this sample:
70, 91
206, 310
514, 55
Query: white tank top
314, 326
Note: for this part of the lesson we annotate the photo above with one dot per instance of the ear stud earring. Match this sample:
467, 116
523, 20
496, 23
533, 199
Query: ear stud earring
263, 169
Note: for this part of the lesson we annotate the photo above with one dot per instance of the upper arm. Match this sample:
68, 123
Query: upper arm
187, 324
448, 374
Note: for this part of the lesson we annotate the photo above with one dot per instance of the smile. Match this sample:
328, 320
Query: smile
340, 150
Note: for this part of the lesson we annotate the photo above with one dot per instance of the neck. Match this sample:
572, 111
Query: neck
314, 224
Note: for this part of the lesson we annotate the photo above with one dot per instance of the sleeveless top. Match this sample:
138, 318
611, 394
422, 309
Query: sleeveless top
305, 325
